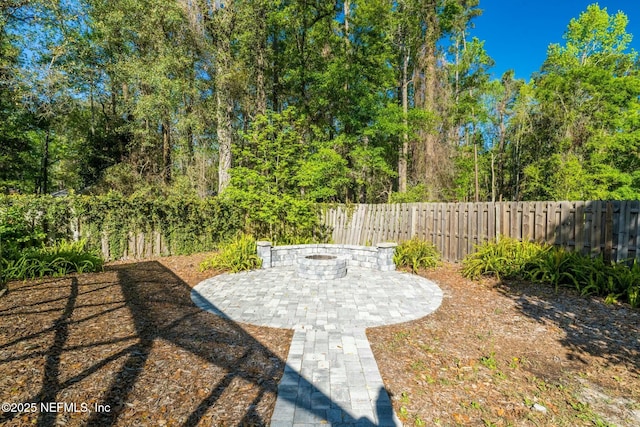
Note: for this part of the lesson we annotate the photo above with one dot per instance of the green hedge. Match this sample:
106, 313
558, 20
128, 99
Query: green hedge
187, 224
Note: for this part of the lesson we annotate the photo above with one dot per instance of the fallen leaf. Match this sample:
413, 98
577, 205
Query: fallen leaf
461, 418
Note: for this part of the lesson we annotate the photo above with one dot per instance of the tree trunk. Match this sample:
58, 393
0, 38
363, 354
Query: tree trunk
166, 152
493, 179
475, 163
189, 136
224, 115
502, 131
261, 47
261, 95
224, 108
275, 95
425, 80
44, 172
501, 143
404, 149
430, 139
93, 113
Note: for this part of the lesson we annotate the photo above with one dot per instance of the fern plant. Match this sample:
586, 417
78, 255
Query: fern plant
509, 258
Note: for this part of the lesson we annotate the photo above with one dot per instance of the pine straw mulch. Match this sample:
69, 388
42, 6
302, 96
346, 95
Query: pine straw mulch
508, 353
131, 338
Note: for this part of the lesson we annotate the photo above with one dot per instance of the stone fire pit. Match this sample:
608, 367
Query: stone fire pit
327, 267
379, 257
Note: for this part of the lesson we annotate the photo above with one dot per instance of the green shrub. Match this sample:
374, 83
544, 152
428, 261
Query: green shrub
560, 267
57, 260
509, 258
622, 282
298, 240
238, 255
633, 295
414, 193
18, 230
589, 276
279, 218
505, 257
416, 253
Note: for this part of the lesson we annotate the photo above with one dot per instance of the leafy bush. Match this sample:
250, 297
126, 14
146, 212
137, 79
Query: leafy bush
19, 229
505, 257
559, 267
416, 253
279, 218
57, 260
509, 258
414, 194
297, 240
622, 282
238, 255
633, 295
282, 168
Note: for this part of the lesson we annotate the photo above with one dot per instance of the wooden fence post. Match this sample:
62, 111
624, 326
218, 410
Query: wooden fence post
608, 232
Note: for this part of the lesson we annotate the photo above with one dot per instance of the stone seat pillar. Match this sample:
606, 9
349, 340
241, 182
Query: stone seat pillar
386, 251
264, 253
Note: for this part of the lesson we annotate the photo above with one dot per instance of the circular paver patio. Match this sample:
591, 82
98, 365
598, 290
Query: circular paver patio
276, 297
330, 377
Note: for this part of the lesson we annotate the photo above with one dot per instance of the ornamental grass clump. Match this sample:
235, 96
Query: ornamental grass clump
60, 259
416, 253
238, 255
588, 276
560, 267
505, 258
511, 259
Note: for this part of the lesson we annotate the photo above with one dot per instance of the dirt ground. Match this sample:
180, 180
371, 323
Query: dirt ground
127, 347
502, 354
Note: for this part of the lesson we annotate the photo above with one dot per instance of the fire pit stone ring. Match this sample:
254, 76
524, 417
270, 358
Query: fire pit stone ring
321, 267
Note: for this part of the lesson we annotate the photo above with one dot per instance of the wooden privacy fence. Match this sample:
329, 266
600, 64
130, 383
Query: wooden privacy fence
592, 227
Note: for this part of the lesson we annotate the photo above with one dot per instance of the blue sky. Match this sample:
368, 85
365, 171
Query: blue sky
517, 32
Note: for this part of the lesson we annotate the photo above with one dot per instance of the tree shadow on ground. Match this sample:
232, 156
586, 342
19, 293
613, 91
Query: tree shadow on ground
590, 326
159, 307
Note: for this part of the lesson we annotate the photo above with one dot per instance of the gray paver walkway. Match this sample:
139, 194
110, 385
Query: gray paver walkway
331, 377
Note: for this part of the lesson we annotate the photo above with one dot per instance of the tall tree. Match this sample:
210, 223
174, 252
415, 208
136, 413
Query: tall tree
502, 97
16, 165
425, 81
585, 139
159, 93
224, 22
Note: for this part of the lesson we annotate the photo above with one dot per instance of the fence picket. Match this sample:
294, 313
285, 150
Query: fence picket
514, 230
608, 232
579, 227
623, 232
471, 211
566, 224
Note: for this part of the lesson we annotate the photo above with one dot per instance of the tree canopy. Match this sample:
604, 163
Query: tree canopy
310, 101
